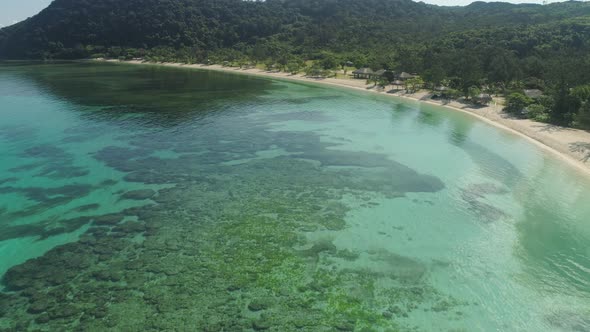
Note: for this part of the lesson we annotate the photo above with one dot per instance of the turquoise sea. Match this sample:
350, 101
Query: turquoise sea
142, 198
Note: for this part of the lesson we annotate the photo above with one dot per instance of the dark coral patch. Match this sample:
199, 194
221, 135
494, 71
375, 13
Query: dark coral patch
17, 134
139, 194
87, 207
8, 180
44, 151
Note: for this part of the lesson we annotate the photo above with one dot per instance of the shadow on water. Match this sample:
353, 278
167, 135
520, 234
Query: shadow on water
161, 96
554, 241
490, 163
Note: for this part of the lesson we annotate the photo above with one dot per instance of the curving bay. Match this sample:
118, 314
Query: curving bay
150, 198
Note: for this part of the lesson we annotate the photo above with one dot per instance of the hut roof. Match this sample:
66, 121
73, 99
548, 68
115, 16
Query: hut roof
363, 71
533, 93
405, 75
380, 72
483, 97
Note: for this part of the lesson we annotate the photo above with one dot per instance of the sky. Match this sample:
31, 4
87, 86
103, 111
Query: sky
13, 11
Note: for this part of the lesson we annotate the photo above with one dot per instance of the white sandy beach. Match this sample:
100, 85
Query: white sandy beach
555, 139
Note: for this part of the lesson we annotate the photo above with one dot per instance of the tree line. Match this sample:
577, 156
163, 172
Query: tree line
494, 48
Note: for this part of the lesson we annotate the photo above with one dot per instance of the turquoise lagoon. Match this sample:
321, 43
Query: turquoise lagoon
141, 198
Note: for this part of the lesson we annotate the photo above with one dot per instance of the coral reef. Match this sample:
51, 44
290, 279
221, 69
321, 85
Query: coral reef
219, 250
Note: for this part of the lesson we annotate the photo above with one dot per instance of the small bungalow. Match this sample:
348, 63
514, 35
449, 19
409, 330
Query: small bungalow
533, 93
363, 73
482, 99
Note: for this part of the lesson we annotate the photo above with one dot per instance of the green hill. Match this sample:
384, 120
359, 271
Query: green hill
75, 28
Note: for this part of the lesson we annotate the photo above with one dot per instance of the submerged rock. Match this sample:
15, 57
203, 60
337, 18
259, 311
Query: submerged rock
39, 306
318, 248
44, 151
257, 305
42, 318
261, 325
344, 326
108, 219
129, 227
87, 207
107, 183
4, 181
63, 311
140, 194
105, 275
148, 177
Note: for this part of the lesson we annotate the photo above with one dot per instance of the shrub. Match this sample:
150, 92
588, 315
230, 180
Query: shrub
451, 94
516, 102
473, 92
98, 56
582, 118
538, 113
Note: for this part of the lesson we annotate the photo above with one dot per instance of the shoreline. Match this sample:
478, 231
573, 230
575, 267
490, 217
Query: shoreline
550, 138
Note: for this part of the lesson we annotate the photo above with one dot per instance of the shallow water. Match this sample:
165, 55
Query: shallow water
145, 198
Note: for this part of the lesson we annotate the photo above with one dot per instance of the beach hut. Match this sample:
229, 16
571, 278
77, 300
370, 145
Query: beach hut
363, 73
482, 99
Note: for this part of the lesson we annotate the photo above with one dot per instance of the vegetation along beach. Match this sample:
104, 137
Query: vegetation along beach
326, 165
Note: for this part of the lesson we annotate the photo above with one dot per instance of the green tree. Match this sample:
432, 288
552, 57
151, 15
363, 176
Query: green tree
504, 67
314, 70
414, 84
474, 92
294, 67
468, 71
329, 61
582, 118
382, 82
538, 112
435, 75
516, 103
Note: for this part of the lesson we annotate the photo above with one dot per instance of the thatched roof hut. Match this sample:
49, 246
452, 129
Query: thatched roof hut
482, 98
363, 73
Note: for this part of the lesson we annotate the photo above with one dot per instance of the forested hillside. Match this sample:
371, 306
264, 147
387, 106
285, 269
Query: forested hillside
71, 28
497, 47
